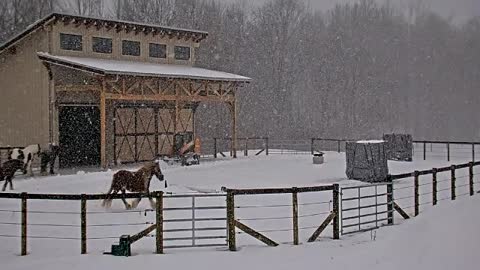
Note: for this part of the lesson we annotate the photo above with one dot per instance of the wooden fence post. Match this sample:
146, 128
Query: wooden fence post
83, 224
246, 147
215, 147
434, 186
295, 215
338, 146
448, 151
473, 152
24, 224
470, 178
424, 151
390, 202
159, 222
417, 196
453, 182
266, 146
231, 221
336, 211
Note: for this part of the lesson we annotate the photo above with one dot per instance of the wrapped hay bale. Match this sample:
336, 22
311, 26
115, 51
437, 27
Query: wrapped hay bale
367, 161
399, 147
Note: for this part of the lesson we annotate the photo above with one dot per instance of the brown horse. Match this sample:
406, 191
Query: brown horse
138, 181
8, 170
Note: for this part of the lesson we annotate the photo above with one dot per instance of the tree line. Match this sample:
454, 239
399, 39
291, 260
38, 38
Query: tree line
355, 71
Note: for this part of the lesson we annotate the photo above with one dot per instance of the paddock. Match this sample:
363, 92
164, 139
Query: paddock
54, 227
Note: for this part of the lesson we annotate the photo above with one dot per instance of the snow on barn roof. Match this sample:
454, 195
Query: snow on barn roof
122, 67
370, 141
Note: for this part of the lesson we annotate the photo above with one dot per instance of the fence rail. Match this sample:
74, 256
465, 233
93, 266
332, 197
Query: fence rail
197, 215
329, 144
234, 223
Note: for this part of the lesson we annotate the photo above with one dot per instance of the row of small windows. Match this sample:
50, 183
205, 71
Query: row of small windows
104, 45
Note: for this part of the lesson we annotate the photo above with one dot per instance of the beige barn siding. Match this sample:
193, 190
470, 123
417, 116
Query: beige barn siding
89, 33
24, 110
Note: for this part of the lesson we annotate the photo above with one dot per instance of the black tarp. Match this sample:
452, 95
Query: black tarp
367, 161
399, 147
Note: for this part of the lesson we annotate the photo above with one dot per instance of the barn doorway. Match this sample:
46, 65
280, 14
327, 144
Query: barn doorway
79, 136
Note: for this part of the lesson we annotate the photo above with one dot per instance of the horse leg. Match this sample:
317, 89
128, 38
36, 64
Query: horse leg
52, 165
5, 185
127, 205
11, 182
136, 202
30, 171
107, 202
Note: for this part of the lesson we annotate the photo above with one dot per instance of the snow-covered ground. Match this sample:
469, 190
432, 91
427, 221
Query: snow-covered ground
442, 237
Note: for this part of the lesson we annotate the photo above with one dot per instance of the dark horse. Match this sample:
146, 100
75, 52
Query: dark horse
138, 181
8, 170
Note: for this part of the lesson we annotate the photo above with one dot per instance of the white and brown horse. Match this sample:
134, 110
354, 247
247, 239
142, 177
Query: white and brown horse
26, 155
138, 181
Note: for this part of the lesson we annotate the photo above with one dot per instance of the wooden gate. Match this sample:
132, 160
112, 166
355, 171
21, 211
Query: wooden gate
145, 132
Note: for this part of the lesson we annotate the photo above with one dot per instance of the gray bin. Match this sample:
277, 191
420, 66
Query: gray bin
399, 147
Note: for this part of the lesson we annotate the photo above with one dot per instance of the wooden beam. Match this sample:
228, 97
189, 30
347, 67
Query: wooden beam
103, 129
255, 234
129, 97
322, 227
400, 211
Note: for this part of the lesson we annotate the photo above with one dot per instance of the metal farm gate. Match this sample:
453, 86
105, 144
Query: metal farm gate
142, 133
195, 220
366, 207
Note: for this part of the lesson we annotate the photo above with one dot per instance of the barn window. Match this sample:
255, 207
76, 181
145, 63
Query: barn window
102, 45
182, 53
70, 42
157, 50
130, 47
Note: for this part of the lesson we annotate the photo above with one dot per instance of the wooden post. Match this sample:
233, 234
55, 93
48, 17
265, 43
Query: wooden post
390, 203
453, 182
470, 178
231, 221
103, 128
473, 152
434, 186
338, 146
83, 224
417, 196
159, 222
311, 146
424, 151
246, 147
448, 151
336, 211
215, 147
24, 224
266, 146
295, 215
234, 128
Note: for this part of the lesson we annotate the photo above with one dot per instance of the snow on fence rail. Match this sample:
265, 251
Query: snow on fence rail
422, 148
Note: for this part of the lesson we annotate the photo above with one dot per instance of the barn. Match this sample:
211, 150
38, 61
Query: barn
106, 91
